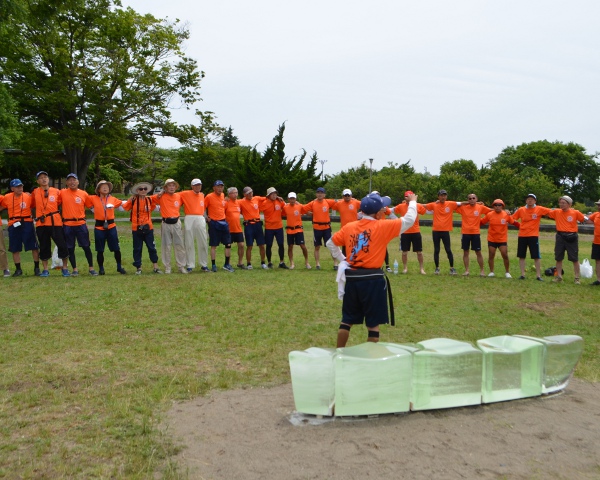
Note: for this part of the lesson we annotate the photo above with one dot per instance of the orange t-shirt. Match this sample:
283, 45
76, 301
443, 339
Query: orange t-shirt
366, 241
595, 217
170, 204
272, 211
193, 203
566, 221
251, 208
471, 217
320, 210
442, 215
73, 206
101, 212
348, 210
498, 229
45, 205
141, 211
401, 210
232, 214
530, 220
19, 208
215, 206
293, 214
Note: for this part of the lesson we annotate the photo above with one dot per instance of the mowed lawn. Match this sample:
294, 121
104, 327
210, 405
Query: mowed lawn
89, 365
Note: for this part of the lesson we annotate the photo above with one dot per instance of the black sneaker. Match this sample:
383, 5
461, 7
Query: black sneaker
18, 273
36, 271
596, 282
283, 265
102, 272
120, 270
270, 265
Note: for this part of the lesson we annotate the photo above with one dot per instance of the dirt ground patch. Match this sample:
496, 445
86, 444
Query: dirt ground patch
255, 434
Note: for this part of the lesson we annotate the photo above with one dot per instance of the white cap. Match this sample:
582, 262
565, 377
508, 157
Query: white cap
347, 191
196, 181
292, 195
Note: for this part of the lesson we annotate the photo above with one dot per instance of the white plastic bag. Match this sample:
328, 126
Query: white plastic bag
56, 262
586, 269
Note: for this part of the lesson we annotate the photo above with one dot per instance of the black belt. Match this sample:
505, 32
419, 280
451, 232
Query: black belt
45, 215
321, 223
20, 218
365, 274
100, 223
71, 219
252, 221
295, 228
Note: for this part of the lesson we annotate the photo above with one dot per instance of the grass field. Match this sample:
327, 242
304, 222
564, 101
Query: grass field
90, 364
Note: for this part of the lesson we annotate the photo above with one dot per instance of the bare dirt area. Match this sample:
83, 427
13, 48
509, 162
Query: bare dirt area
255, 434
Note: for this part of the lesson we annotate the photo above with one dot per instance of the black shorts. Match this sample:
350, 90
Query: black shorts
533, 243
365, 300
497, 244
79, 232
109, 236
595, 251
470, 241
273, 233
414, 239
253, 232
237, 237
218, 233
45, 236
321, 235
563, 245
295, 238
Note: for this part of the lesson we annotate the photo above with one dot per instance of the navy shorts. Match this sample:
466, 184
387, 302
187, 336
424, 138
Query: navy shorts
534, 247
254, 231
497, 244
110, 237
365, 300
218, 233
414, 239
23, 235
595, 251
295, 238
79, 232
321, 235
237, 237
470, 241
276, 233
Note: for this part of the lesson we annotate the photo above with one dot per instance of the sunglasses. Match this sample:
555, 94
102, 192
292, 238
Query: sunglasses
347, 195
497, 205
142, 189
472, 198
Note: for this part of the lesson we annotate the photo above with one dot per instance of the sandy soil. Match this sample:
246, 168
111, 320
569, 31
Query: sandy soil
255, 434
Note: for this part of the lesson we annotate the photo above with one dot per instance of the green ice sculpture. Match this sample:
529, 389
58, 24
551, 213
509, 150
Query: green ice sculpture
377, 378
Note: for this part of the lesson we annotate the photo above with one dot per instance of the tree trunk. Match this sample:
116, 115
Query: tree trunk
80, 159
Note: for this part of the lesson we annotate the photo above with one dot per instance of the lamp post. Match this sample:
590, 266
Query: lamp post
370, 175
322, 162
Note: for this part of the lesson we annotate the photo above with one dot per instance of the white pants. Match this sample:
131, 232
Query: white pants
195, 229
172, 236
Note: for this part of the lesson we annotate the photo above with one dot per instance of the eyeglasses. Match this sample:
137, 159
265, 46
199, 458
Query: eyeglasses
143, 189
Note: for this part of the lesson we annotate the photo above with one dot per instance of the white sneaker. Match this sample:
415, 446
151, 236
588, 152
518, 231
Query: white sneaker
508, 275
491, 274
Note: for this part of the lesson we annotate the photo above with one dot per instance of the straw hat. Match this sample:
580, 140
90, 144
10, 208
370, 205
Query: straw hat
104, 182
150, 187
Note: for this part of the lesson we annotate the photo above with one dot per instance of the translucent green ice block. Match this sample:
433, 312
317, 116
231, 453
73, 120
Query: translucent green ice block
446, 373
561, 354
372, 379
313, 380
512, 368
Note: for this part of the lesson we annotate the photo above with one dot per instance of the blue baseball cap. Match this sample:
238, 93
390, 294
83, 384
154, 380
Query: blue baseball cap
16, 183
72, 175
218, 182
320, 190
372, 203
41, 172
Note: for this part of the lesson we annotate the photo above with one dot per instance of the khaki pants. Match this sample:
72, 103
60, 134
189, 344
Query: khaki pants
195, 229
3, 257
172, 236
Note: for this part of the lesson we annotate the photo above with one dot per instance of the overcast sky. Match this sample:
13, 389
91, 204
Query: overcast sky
428, 80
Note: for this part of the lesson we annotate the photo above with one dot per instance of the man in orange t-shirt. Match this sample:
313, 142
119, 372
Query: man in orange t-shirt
105, 229
567, 238
20, 229
412, 236
595, 219
218, 228
364, 297
529, 234
232, 214
294, 228
321, 223
348, 207
142, 230
195, 226
171, 233
253, 231
48, 223
272, 207
73, 212
498, 235
442, 226
470, 229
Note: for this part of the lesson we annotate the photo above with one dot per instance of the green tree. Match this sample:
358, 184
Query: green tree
9, 123
228, 139
568, 166
94, 73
